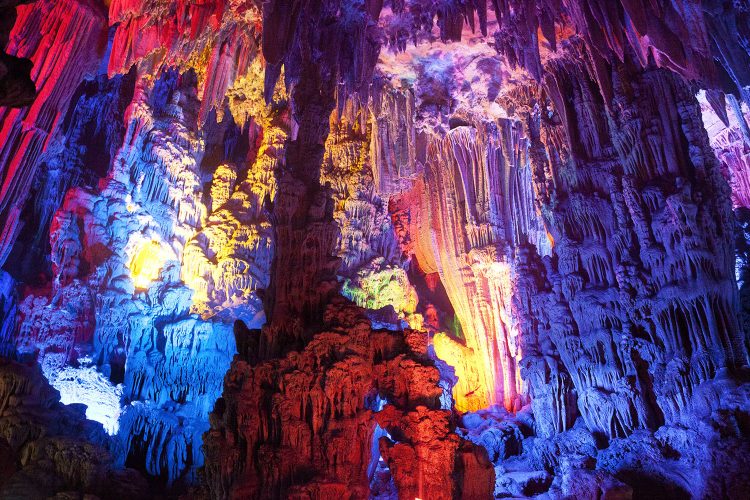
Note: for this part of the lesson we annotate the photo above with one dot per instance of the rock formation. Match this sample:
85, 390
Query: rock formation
16, 87
318, 422
408, 249
58, 450
64, 41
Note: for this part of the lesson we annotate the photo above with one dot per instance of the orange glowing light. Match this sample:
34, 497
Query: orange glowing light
551, 239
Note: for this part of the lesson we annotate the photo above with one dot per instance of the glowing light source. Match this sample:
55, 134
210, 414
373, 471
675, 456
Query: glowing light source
147, 263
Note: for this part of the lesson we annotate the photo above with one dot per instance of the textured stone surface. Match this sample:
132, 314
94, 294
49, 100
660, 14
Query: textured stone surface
49, 448
64, 41
16, 87
542, 230
117, 256
263, 443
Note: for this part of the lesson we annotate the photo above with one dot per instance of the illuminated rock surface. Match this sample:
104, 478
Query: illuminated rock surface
58, 450
16, 87
537, 213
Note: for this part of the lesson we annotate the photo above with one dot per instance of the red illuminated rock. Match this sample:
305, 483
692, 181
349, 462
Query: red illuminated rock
16, 87
216, 38
263, 440
533, 193
64, 41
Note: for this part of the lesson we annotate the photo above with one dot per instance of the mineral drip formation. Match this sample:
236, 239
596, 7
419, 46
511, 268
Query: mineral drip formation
368, 249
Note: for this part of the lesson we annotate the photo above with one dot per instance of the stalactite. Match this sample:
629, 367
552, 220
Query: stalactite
615, 395
16, 87
297, 428
526, 211
75, 32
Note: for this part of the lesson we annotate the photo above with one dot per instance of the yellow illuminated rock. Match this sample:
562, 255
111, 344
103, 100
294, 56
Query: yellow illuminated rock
468, 393
147, 264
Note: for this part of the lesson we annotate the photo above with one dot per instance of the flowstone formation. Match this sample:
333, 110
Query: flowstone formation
16, 87
365, 249
116, 267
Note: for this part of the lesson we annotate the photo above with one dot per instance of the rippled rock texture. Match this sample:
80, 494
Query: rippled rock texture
16, 87
57, 449
536, 212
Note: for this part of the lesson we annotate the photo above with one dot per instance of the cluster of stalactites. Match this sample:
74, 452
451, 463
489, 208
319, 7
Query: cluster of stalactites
217, 39
612, 152
633, 314
63, 40
480, 201
319, 438
685, 37
16, 87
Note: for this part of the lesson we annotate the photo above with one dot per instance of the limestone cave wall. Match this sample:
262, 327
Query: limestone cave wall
374, 249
